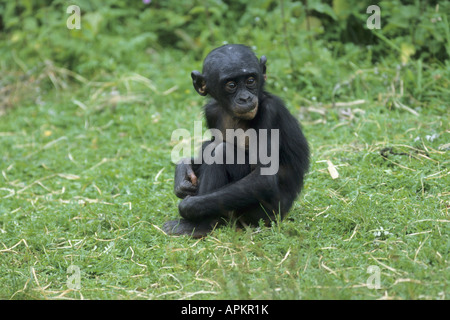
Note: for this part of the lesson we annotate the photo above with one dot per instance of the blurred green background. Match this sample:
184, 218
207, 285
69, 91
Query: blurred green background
308, 36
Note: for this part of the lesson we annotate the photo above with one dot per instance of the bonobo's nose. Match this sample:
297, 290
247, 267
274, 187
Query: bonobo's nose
244, 98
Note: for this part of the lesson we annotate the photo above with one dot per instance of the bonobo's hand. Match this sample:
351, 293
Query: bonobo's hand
185, 179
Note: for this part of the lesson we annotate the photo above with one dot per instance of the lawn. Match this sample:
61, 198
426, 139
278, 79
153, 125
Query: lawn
87, 180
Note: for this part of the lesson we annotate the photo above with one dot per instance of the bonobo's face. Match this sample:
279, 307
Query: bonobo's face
234, 77
238, 93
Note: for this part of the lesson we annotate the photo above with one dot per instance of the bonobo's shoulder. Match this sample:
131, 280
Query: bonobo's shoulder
274, 104
211, 107
270, 98
212, 111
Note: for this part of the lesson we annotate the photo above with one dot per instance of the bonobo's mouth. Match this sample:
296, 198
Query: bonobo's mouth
247, 114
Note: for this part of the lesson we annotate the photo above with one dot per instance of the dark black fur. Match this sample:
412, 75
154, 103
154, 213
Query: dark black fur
239, 192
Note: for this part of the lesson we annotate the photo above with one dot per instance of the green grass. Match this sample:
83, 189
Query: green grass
87, 180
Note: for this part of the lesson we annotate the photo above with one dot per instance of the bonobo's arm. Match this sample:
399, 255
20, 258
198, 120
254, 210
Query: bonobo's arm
250, 190
185, 179
186, 176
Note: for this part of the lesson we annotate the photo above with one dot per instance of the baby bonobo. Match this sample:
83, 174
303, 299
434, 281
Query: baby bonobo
236, 181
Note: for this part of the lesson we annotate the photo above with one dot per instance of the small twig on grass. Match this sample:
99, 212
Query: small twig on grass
326, 209
400, 105
104, 160
353, 234
349, 104
420, 247
41, 289
384, 265
11, 249
47, 146
328, 269
285, 257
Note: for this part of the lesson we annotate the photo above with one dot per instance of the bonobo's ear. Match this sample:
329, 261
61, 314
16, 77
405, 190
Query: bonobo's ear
199, 83
262, 63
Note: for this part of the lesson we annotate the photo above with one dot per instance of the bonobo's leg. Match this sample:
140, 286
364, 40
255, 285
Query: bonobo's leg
187, 173
210, 177
216, 175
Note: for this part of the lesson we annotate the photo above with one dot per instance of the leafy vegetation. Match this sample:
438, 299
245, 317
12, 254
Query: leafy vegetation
85, 143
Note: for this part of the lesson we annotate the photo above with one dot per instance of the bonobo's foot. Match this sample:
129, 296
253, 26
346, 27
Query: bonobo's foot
185, 227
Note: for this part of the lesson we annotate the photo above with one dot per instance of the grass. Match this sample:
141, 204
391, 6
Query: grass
87, 180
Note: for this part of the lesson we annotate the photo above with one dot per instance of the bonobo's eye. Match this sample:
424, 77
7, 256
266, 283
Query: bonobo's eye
251, 82
230, 86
